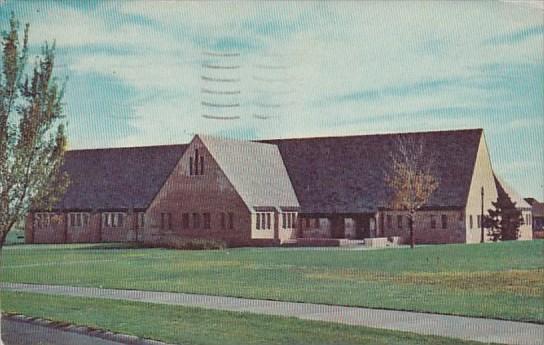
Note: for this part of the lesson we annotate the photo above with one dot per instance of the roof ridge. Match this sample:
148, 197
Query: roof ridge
373, 134
128, 147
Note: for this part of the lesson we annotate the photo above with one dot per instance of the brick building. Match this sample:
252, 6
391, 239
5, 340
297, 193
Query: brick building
266, 192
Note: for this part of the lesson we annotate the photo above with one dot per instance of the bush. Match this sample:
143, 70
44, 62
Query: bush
191, 243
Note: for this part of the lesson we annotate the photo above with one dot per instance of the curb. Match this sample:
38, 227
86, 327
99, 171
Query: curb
84, 330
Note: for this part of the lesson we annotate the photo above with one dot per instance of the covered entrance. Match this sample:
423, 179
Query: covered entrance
353, 226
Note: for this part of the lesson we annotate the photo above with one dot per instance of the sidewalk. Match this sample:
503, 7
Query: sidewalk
484, 330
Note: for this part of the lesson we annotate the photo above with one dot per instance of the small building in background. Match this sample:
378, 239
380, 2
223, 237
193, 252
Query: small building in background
537, 213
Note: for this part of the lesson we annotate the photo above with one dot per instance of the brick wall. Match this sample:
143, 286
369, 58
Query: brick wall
423, 229
208, 193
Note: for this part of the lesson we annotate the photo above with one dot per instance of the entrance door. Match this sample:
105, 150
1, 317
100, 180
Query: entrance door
363, 227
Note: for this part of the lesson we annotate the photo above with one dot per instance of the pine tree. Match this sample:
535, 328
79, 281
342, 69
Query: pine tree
503, 221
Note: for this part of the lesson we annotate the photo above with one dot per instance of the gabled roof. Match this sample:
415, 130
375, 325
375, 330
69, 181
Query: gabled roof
346, 174
514, 195
117, 178
255, 170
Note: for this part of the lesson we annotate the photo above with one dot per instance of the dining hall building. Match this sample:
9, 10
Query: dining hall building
269, 192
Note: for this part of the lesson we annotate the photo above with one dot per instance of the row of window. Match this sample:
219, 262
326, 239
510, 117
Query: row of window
80, 219
263, 221
198, 220
403, 221
289, 220
527, 220
113, 219
42, 219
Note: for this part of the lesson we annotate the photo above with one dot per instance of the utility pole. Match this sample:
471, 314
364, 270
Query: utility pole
482, 216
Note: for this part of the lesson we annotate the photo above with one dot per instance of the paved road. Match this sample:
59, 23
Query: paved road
21, 333
484, 330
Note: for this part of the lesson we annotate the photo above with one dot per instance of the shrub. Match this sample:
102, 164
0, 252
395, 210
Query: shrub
191, 244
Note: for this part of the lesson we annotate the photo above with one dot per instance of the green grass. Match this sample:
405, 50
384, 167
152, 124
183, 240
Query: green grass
496, 280
196, 326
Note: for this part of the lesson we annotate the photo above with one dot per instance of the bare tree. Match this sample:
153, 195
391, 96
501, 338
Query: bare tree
410, 178
32, 135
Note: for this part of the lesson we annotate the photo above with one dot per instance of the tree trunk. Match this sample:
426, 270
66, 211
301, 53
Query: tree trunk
412, 235
4, 232
3, 238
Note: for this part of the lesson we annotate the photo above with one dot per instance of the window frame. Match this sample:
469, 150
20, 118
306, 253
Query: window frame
207, 220
231, 220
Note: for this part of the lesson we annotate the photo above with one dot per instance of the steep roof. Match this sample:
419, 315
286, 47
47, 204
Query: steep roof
346, 174
117, 178
255, 170
513, 194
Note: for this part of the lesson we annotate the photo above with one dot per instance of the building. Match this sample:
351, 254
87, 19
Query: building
537, 213
266, 192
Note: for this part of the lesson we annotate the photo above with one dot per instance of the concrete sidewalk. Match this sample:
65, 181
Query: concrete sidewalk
484, 330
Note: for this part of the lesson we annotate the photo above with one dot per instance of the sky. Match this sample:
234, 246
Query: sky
150, 73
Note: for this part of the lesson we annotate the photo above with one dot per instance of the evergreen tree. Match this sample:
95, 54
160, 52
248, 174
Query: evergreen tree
504, 221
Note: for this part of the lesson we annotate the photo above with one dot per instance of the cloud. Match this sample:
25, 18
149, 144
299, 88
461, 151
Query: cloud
517, 36
341, 68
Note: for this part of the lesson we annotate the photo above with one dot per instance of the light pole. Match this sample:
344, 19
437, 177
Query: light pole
482, 217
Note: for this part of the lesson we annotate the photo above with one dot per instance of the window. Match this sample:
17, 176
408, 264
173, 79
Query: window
307, 222
207, 220
78, 219
139, 223
222, 221
444, 221
263, 221
399, 222
389, 221
185, 220
284, 220
231, 220
479, 220
470, 221
196, 164
110, 219
433, 222
42, 219
118, 220
196, 220
166, 221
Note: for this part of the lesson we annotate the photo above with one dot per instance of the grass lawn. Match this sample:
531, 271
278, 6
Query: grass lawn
496, 280
195, 326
